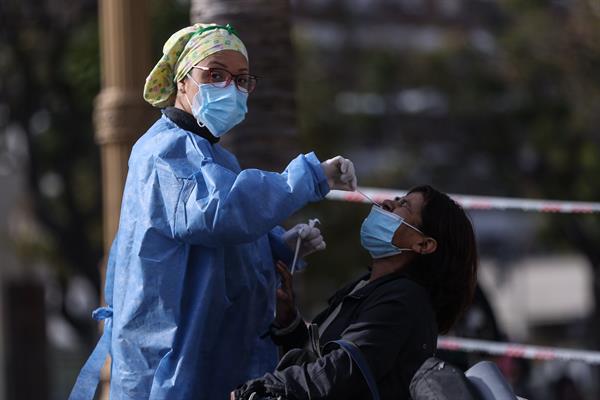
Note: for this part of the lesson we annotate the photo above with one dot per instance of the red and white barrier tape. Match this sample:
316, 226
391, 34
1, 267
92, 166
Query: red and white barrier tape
517, 350
478, 202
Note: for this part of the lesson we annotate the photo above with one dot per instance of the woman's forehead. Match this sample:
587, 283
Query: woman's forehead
232, 60
415, 199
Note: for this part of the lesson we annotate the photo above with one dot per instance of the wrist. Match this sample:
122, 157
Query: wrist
280, 329
283, 322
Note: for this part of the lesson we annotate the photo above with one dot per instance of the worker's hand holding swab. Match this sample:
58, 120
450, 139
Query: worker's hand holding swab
304, 239
340, 173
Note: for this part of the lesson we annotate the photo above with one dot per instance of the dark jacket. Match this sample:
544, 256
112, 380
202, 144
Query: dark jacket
391, 320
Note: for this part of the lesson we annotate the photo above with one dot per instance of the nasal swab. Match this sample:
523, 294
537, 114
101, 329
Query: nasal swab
368, 198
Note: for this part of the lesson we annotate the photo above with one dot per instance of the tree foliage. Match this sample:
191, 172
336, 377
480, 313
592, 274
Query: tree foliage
49, 77
518, 109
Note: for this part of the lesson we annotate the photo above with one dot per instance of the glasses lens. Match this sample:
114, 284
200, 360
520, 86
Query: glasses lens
245, 83
219, 77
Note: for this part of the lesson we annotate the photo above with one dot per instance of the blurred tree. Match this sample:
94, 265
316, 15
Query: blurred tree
49, 77
529, 111
267, 138
551, 64
516, 117
508, 104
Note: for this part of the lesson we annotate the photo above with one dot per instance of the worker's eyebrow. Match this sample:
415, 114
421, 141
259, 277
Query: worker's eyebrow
225, 67
220, 64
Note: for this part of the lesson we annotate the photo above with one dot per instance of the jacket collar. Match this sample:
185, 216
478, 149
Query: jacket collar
366, 290
187, 122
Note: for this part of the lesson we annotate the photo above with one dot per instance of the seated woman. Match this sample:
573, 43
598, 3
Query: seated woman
422, 278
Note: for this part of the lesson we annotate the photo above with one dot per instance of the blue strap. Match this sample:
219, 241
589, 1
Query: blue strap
89, 377
360, 361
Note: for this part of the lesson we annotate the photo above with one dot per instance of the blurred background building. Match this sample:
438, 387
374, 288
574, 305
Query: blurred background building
482, 97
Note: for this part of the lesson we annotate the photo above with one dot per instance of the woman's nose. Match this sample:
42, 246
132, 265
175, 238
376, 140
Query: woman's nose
388, 205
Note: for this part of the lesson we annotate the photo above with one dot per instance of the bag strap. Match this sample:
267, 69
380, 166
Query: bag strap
360, 361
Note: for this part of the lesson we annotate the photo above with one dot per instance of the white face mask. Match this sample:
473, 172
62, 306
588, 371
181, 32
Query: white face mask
218, 108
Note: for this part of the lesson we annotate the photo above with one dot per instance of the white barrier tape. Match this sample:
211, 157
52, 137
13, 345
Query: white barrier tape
517, 350
478, 202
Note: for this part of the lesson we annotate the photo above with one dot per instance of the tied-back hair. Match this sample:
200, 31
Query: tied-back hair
450, 272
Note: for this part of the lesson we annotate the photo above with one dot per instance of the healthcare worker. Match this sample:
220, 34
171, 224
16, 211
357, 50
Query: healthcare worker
191, 278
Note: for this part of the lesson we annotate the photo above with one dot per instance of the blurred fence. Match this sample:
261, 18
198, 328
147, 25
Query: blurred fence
477, 202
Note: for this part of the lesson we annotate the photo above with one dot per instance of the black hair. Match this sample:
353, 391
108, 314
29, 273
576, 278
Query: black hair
450, 272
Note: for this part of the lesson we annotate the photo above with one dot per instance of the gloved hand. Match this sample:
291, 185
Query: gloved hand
311, 239
340, 173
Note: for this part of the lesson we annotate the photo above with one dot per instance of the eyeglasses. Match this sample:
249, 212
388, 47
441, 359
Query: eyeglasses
220, 77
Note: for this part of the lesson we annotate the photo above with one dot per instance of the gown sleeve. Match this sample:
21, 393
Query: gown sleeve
215, 205
279, 248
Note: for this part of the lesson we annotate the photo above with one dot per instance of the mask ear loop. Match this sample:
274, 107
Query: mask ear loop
416, 229
201, 125
410, 226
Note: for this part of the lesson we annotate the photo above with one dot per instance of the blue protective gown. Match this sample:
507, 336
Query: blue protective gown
191, 277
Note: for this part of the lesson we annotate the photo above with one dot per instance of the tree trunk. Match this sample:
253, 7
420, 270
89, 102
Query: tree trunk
120, 113
26, 346
267, 138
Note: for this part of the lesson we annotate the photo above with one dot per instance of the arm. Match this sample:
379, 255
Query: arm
216, 206
380, 332
288, 330
294, 336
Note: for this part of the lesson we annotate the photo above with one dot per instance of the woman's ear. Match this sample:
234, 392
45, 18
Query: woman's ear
182, 100
181, 86
426, 246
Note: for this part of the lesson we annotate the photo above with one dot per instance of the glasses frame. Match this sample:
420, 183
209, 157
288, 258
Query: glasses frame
231, 78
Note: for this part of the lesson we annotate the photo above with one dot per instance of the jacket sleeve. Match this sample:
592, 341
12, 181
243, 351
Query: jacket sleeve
380, 331
215, 205
295, 338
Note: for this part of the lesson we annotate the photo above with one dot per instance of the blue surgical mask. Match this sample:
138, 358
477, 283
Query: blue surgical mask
378, 230
218, 108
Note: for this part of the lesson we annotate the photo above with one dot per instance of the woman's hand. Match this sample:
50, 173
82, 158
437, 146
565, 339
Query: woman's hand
250, 390
285, 310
